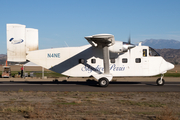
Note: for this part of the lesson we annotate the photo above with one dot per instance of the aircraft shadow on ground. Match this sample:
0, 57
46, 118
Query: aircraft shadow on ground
88, 82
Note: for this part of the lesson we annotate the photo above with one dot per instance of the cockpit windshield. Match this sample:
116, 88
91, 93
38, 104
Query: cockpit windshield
152, 52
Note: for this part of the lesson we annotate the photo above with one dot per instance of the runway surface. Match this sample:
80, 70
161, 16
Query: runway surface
88, 86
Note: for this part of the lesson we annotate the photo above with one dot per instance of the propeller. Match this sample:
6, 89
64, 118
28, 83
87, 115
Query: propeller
127, 45
129, 40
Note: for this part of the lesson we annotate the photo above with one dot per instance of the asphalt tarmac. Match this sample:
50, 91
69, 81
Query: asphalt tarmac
147, 84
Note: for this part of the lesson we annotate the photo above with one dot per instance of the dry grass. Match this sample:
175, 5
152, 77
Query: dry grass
90, 105
166, 114
21, 109
142, 103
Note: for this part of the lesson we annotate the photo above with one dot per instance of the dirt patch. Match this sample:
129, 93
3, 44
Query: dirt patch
90, 105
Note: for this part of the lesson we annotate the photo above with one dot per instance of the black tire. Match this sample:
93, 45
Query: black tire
103, 82
159, 83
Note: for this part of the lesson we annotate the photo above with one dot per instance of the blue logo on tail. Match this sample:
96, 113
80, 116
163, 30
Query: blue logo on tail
13, 41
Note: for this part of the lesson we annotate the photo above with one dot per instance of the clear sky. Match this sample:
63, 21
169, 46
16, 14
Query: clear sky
69, 21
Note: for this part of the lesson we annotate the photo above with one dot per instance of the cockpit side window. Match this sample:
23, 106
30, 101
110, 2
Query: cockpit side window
144, 52
152, 52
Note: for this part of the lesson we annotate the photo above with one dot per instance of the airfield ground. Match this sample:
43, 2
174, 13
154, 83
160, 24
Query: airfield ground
77, 105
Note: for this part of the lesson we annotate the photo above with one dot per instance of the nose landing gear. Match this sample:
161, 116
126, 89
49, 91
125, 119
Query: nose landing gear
160, 81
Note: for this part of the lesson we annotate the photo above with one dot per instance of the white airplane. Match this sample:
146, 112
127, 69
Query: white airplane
102, 59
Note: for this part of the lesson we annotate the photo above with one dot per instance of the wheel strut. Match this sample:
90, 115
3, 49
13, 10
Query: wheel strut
160, 81
162, 75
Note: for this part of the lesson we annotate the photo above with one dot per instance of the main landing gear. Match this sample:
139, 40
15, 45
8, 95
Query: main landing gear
103, 82
160, 81
103, 79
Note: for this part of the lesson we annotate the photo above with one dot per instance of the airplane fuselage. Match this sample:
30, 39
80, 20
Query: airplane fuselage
103, 59
86, 61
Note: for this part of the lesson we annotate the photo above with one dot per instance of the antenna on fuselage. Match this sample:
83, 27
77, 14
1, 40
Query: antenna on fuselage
66, 44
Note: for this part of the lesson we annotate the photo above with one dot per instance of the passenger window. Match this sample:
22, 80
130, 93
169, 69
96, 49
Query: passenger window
81, 61
93, 61
113, 60
124, 60
144, 52
138, 60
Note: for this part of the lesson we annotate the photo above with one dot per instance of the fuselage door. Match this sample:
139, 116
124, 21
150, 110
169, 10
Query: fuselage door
145, 61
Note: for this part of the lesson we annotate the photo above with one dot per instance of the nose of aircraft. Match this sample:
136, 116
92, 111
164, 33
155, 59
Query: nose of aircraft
165, 66
170, 66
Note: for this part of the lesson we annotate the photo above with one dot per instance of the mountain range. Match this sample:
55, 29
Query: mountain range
3, 58
162, 43
170, 55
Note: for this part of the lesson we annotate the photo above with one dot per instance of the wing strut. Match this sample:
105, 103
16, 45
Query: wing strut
103, 41
106, 59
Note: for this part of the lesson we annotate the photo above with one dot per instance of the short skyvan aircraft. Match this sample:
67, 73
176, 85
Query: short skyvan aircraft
102, 59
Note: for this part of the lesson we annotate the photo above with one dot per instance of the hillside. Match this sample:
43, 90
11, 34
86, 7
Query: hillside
170, 55
3, 58
162, 43
168, 49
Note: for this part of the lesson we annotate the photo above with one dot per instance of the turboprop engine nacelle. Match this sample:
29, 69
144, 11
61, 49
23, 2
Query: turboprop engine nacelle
119, 47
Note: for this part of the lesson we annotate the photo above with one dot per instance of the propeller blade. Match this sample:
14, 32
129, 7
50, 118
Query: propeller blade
127, 45
129, 40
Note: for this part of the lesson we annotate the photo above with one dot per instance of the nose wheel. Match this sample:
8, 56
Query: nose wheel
160, 81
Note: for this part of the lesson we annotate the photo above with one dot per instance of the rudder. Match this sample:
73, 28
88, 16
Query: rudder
20, 40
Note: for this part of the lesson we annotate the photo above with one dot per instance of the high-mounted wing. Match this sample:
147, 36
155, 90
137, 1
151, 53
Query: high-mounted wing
107, 42
101, 40
104, 41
